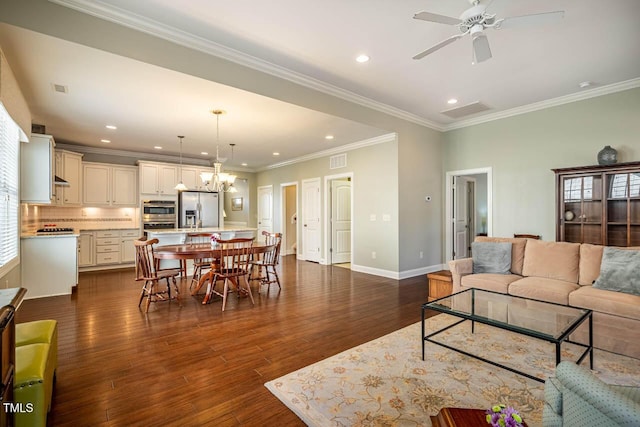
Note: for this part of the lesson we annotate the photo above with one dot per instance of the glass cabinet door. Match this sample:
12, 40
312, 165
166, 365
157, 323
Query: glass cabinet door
581, 219
623, 209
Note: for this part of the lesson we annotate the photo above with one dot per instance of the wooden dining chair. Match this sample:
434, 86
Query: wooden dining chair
233, 267
147, 271
268, 262
200, 265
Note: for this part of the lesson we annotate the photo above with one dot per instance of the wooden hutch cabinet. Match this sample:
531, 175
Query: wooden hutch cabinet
599, 204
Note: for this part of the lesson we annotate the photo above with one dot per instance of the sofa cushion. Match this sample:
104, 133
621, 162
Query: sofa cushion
619, 271
489, 282
552, 260
590, 260
517, 250
611, 302
544, 289
491, 257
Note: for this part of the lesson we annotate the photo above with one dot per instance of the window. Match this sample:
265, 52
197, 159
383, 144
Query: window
9, 197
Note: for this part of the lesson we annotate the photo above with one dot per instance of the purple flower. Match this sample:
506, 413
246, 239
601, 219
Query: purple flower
503, 416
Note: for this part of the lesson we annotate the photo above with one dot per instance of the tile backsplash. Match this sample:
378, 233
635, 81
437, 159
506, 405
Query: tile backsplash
35, 216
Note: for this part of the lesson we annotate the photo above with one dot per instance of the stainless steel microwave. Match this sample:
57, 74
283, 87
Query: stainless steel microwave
154, 211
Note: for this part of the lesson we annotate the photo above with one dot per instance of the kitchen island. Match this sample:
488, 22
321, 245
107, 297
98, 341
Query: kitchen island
49, 264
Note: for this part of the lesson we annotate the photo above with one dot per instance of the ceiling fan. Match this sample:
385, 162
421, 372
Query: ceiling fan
475, 20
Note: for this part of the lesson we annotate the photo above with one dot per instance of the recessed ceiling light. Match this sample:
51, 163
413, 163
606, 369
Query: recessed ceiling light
276, 154
111, 127
244, 164
452, 101
106, 141
328, 137
157, 147
204, 153
584, 85
362, 58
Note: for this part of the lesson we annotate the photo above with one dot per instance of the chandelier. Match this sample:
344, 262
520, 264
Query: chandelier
181, 186
217, 180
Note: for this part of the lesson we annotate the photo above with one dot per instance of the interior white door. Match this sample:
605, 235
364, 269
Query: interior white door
311, 219
265, 209
460, 218
340, 250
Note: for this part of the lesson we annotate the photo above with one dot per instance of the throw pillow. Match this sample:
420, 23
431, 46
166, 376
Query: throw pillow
619, 271
491, 257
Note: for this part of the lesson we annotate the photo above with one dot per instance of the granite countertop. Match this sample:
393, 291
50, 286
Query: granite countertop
201, 230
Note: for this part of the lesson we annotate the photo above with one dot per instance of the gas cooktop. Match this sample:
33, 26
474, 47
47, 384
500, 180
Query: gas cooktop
55, 230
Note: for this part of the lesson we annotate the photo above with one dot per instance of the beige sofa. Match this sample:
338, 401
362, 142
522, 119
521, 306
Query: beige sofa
563, 273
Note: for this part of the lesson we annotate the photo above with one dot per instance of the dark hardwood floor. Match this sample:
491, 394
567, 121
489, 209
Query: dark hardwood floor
191, 364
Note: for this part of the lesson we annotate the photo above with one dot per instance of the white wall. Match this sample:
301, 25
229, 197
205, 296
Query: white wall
375, 184
523, 149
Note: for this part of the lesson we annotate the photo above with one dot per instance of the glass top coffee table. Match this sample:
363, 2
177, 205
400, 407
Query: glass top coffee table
538, 319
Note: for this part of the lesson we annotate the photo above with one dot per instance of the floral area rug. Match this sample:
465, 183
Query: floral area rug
385, 382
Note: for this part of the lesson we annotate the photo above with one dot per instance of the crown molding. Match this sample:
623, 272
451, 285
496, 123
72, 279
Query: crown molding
84, 149
389, 137
192, 41
561, 100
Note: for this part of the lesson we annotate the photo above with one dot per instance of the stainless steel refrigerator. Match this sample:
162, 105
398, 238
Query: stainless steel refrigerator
198, 208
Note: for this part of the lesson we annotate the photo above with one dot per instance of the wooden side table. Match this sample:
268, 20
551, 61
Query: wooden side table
440, 284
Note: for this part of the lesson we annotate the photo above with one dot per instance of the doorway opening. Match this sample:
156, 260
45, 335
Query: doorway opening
468, 210
338, 219
289, 220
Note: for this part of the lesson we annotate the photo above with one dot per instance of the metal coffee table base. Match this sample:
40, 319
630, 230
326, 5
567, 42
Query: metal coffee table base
558, 344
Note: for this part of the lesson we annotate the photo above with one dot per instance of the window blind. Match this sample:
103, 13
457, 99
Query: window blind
9, 195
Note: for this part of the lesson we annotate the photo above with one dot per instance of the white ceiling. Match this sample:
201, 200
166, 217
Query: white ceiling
597, 41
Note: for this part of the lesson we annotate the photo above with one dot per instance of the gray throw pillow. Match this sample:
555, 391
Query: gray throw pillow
491, 257
619, 271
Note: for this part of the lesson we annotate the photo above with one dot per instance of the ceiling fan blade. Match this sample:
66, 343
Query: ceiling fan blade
481, 49
434, 17
535, 19
438, 46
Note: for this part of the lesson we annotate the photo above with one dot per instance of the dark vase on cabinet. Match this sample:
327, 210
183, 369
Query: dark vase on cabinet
599, 204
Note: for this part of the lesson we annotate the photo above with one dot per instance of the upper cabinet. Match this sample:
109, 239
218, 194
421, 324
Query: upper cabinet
158, 179
69, 168
37, 165
191, 177
599, 204
110, 185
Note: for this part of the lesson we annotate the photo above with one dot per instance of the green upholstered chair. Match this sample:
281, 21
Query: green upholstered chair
576, 397
36, 365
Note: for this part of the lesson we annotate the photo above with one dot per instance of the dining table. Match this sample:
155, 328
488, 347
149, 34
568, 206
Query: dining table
187, 251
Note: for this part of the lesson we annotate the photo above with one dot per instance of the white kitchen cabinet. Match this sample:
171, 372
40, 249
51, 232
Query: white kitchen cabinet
69, 167
86, 249
127, 249
107, 247
37, 166
191, 177
109, 185
96, 184
124, 186
49, 265
158, 179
